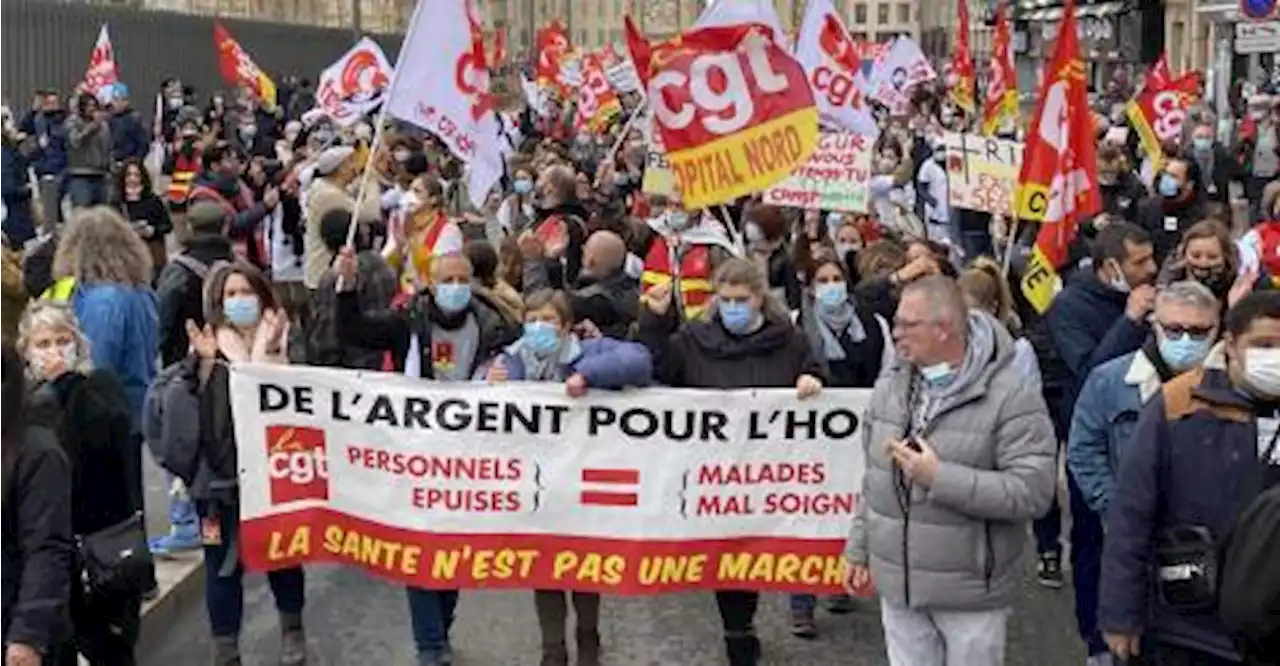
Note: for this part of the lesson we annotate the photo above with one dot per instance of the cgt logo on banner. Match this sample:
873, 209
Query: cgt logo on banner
454, 485
831, 59
734, 111
352, 86
296, 464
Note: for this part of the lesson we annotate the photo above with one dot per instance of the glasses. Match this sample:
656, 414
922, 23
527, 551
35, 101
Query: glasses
1177, 331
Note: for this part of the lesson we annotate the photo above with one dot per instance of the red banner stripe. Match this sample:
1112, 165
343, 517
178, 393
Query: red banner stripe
609, 499
611, 476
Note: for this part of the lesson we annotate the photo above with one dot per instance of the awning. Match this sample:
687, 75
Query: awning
1096, 10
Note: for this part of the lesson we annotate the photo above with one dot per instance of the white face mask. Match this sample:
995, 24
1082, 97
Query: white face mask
1262, 371
1118, 281
43, 362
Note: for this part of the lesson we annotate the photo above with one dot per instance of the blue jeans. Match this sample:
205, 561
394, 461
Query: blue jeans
224, 595
87, 190
803, 603
182, 514
431, 613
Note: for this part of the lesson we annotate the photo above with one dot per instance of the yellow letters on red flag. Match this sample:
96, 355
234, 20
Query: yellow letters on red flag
961, 92
1001, 103
1058, 183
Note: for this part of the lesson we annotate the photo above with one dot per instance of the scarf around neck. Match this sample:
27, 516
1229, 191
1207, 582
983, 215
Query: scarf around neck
550, 366
834, 323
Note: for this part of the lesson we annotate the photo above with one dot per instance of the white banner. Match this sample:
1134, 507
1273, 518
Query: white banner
717, 473
354, 85
902, 67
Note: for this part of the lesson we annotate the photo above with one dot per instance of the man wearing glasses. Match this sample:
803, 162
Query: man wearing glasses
1185, 328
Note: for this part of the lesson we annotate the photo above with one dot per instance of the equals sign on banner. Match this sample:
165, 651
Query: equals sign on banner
610, 487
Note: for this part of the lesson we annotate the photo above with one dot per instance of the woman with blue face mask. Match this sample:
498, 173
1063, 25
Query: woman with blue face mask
747, 341
516, 212
851, 343
549, 351
244, 323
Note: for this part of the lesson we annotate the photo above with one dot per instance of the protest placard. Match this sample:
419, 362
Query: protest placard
460, 485
982, 172
835, 177
658, 176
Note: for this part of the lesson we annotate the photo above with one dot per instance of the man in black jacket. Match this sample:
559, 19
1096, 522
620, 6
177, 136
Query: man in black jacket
180, 288
1173, 208
606, 296
128, 136
1214, 167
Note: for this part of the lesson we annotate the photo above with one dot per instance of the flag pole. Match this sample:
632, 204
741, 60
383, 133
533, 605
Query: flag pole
622, 136
1011, 241
376, 142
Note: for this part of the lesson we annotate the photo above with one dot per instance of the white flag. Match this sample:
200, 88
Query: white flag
832, 65
101, 77
446, 89
733, 12
622, 76
354, 85
534, 95
901, 68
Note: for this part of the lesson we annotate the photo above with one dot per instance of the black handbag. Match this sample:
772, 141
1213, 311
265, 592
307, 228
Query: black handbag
116, 560
1187, 568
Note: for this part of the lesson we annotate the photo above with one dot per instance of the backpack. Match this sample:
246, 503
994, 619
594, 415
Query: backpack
171, 419
1249, 596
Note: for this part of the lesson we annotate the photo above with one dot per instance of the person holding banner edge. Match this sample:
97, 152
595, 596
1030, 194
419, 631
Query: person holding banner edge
549, 351
746, 341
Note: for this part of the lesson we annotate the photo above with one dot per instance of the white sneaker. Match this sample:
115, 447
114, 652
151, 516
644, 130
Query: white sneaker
1100, 659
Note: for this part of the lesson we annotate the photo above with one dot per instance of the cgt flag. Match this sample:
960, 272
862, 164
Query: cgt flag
103, 74
598, 103
961, 91
1000, 108
1058, 182
1159, 110
734, 111
354, 85
832, 63
238, 69
551, 46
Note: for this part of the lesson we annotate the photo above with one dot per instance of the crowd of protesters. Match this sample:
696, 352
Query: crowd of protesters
1156, 372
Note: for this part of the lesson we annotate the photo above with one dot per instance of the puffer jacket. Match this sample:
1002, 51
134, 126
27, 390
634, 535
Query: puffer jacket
958, 545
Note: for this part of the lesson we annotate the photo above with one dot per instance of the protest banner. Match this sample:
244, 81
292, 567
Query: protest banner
465, 485
744, 132
103, 73
831, 60
835, 177
982, 172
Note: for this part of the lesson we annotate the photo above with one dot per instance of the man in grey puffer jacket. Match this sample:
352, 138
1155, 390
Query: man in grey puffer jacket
960, 456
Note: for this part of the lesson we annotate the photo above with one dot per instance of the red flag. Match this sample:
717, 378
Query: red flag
1058, 182
1001, 103
238, 69
961, 92
551, 44
499, 47
1159, 110
641, 51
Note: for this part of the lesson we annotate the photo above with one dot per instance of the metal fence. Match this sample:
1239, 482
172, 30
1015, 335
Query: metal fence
47, 44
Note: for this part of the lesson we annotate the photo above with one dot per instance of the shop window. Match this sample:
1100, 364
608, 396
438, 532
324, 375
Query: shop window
882, 13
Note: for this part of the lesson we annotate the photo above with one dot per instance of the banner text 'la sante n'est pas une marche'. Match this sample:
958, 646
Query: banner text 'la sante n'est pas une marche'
460, 485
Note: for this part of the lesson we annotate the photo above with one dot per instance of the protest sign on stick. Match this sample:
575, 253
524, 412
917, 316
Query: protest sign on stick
982, 172
835, 177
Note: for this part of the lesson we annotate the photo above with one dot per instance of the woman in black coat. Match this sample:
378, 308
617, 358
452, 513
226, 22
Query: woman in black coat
91, 417
146, 211
37, 544
747, 341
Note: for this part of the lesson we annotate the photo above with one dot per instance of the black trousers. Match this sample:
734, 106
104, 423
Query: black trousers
1165, 654
737, 611
105, 630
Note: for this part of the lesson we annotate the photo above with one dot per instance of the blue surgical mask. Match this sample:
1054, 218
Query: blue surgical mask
541, 337
1184, 352
621, 178
242, 311
1168, 185
678, 220
1202, 144
938, 375
453, 297
831, 295
736, 316
522, 186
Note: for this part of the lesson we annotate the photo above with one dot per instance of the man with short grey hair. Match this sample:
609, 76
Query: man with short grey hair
960, 445
1185, 328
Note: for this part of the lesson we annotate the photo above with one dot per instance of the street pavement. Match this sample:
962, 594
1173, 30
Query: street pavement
355, 620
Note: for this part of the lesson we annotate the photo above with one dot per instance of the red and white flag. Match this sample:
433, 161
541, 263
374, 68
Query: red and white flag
103, 74
961, 91
355, 84
1058, 184
832, 64
446, 90
900, 69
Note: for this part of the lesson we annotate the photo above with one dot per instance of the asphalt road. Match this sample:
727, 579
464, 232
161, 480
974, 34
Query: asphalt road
355, 620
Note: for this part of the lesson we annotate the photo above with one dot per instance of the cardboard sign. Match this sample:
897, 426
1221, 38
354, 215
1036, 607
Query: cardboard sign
982, 172
466, 485
835, 177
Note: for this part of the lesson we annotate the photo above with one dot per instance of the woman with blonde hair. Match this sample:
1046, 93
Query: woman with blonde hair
747, 341
985, 289
88, 411
109, 267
